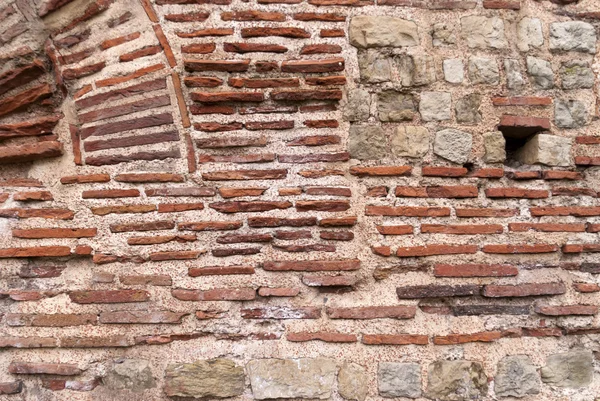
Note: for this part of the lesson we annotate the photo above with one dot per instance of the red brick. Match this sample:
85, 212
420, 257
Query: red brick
325, 17
302, 95
160, 239
562, 175
108, 296
146, 279
332, 33
269, 125
282, 312
338, 222
485, 336
244, 48
394, 230
287, 32
224, 252
586, 287
486, 212
230, 192
324, 81
383, 250
205, 32
180, 191
472, 229
94, 342
148, 177
329, 281
123, 209
580, 248
32, 196
381, 171
35, 252
320, 49
175, 255
313, 265
322, 124
516, 193
573, 191
231, 142
278, 292
520, 248
395, 339
217, 97
249, 206
198, 48
241, 238
437, 291
252, 15
372, 312
141, 317
502, 4
216, 294
210, 225
11, 387
30, 152
432, 171
521, 100
292, 235
110, 193
577, 211
313, 66
378, 192
322, 206
407, 211
216, 65
524, 289
325, 336
435, 249
81, 72
219, 270
474, 270
47, 213
314, 158
337, 235
199, 16
523, 125
27, 342
37, 233
566, 310
547, 227
39, 368
264, 83
202, 82
320, 173
452, 191
487, 173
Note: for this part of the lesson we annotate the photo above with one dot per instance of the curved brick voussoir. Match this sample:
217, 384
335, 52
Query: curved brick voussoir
299, 199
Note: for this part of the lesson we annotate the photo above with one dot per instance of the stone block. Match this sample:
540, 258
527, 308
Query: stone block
573, 369
453, 145
516, 376
374, 67
442, 35
399, 379
495, 147
291, 378
456, 381
529, 34
454, 70
570, 113
367, 31
576, 74
435, 106
541, 73
410, 141
483, 32
514, 78
130, 374
367, 142
483, 70
358, 105
547, 149
395, 106
214, 378
575, 36
352, 382
467, 109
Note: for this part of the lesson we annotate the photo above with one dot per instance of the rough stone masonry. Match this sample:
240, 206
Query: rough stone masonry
299, 199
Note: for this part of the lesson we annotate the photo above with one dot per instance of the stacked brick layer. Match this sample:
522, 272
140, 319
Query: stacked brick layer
403, 193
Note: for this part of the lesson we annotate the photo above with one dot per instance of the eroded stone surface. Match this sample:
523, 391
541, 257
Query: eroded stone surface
367, 142
435, 106
380, 31
467, 109
395, 106
374, 67
529, 34
576, 36
571, 369
358, 105
352, 382
495, 147
546, 149
540, 72
454, 70
453, 145
291, 378
482, 32
217, 378
130, 374
456, 381
516, 376
399, 379
483, 70
570, 113
410, 141
576, 74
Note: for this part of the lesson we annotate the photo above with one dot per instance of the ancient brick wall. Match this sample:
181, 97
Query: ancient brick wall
302, 199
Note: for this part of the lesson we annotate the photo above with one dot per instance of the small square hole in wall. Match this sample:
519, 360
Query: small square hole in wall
515, 138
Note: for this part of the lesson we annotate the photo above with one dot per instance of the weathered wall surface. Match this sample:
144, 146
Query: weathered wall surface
330, 199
